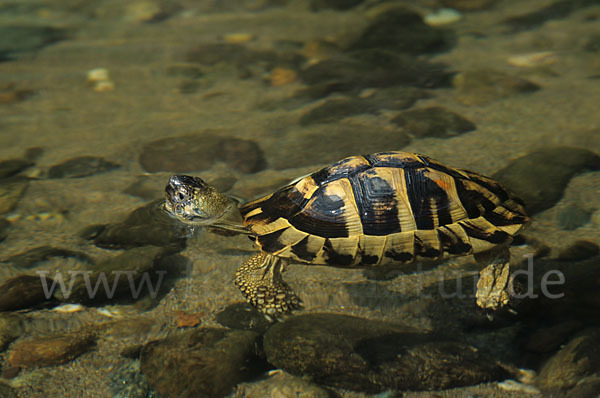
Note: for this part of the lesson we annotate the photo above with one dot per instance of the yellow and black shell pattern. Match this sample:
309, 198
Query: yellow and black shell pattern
383, 208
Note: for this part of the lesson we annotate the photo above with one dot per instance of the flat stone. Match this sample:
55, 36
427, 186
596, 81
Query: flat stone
573, 217
579, 250
335, 109
373, 356
336, 141
203, 362
540, 177
23, 291
11, 328
11, 167
434, 121
32, 257
199, 152
401, 31
578, 359
50, 350
11, 191
83, 166
16, 39
242, 316
481, 87
146, 225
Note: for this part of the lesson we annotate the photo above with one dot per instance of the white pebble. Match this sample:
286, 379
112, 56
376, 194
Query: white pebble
513, 385
443, 16
533, 59
97, 75
66, 308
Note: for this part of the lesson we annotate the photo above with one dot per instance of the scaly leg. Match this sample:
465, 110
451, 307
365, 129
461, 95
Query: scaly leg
259, 279
493, 284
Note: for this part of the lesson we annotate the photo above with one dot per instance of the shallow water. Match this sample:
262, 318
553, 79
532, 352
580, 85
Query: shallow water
250, 95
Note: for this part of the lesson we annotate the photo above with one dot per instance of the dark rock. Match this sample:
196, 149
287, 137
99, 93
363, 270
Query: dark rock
548, 339
573, 217
51, 350
17, 39
399, 30
202, 362
372, 68
334, 109
82, 166
468, 5
11, 191
32, 257
10, 373
7, 391
11, 167
580, 250
434, 121
146, 225
558, 10
199, 152
341, 5
373, 356
132, 352
480, 87
128, 275
243, 317
241, 155
395, 98
540, 177
4, 227
336, 141
578, 359
11, 328
23, 291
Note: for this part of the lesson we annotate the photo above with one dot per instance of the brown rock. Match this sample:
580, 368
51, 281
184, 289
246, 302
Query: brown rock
22, 291
50, 350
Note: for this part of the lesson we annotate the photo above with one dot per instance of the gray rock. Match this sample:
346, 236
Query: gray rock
199, 152
146, 225
203, 362
434, 121
17, 39
336, 141
399, 30
83, 166
578, 359
129, 275
11, 167
573, 217
11, 191
243, 317
32, 257
23, 291
11, 328
373, 356
540, 177
483, 86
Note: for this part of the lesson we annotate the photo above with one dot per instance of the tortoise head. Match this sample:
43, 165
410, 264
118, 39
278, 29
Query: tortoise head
192, 200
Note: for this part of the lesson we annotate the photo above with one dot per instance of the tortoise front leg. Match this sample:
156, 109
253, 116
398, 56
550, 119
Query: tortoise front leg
259, 279
494, 280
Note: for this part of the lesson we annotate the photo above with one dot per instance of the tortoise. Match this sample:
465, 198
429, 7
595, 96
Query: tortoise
363, 211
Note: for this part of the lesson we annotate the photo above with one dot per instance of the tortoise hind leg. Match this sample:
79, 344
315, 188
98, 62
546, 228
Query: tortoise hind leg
259, 279
493, 286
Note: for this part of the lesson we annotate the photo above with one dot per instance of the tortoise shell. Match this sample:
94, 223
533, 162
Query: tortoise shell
383, 208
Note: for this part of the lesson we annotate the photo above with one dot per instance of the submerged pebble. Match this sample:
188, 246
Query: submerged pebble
24, 291
443, 16
579, 250
532, 60
481, 87
433, 122
33, 257
82, 166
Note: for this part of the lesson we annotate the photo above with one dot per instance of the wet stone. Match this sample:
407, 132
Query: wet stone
51, 350
11, 328
550, 338
573, 217
243, 317
579, 250
540, 177
335, 109
16, 39
434, 121
482, 87
129, 275
340, 5
336, 141
199, 152
208, 362
31, 258
23, 291
557, 10
576, 360
373, 356
146, 225
402, 31
282, 385
11, 167
11, 191
79, 167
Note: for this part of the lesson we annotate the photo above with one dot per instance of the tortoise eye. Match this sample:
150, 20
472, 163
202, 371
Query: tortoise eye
180, 196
